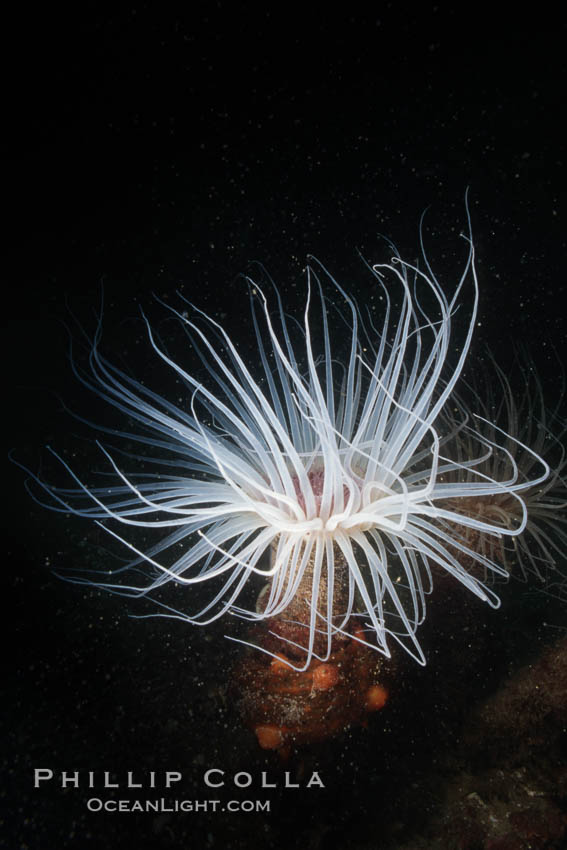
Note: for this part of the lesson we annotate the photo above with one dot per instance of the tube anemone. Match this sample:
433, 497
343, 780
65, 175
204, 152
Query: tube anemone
525, 423
325, 457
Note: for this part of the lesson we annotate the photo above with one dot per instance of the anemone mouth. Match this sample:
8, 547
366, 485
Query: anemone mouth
316, 484
349, 497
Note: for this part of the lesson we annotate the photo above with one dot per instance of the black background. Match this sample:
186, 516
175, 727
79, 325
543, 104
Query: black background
150, 149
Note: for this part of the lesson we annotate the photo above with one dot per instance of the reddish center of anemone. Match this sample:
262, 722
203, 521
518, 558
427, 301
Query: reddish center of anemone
316, 479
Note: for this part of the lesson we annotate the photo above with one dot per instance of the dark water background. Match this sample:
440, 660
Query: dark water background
156, 151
